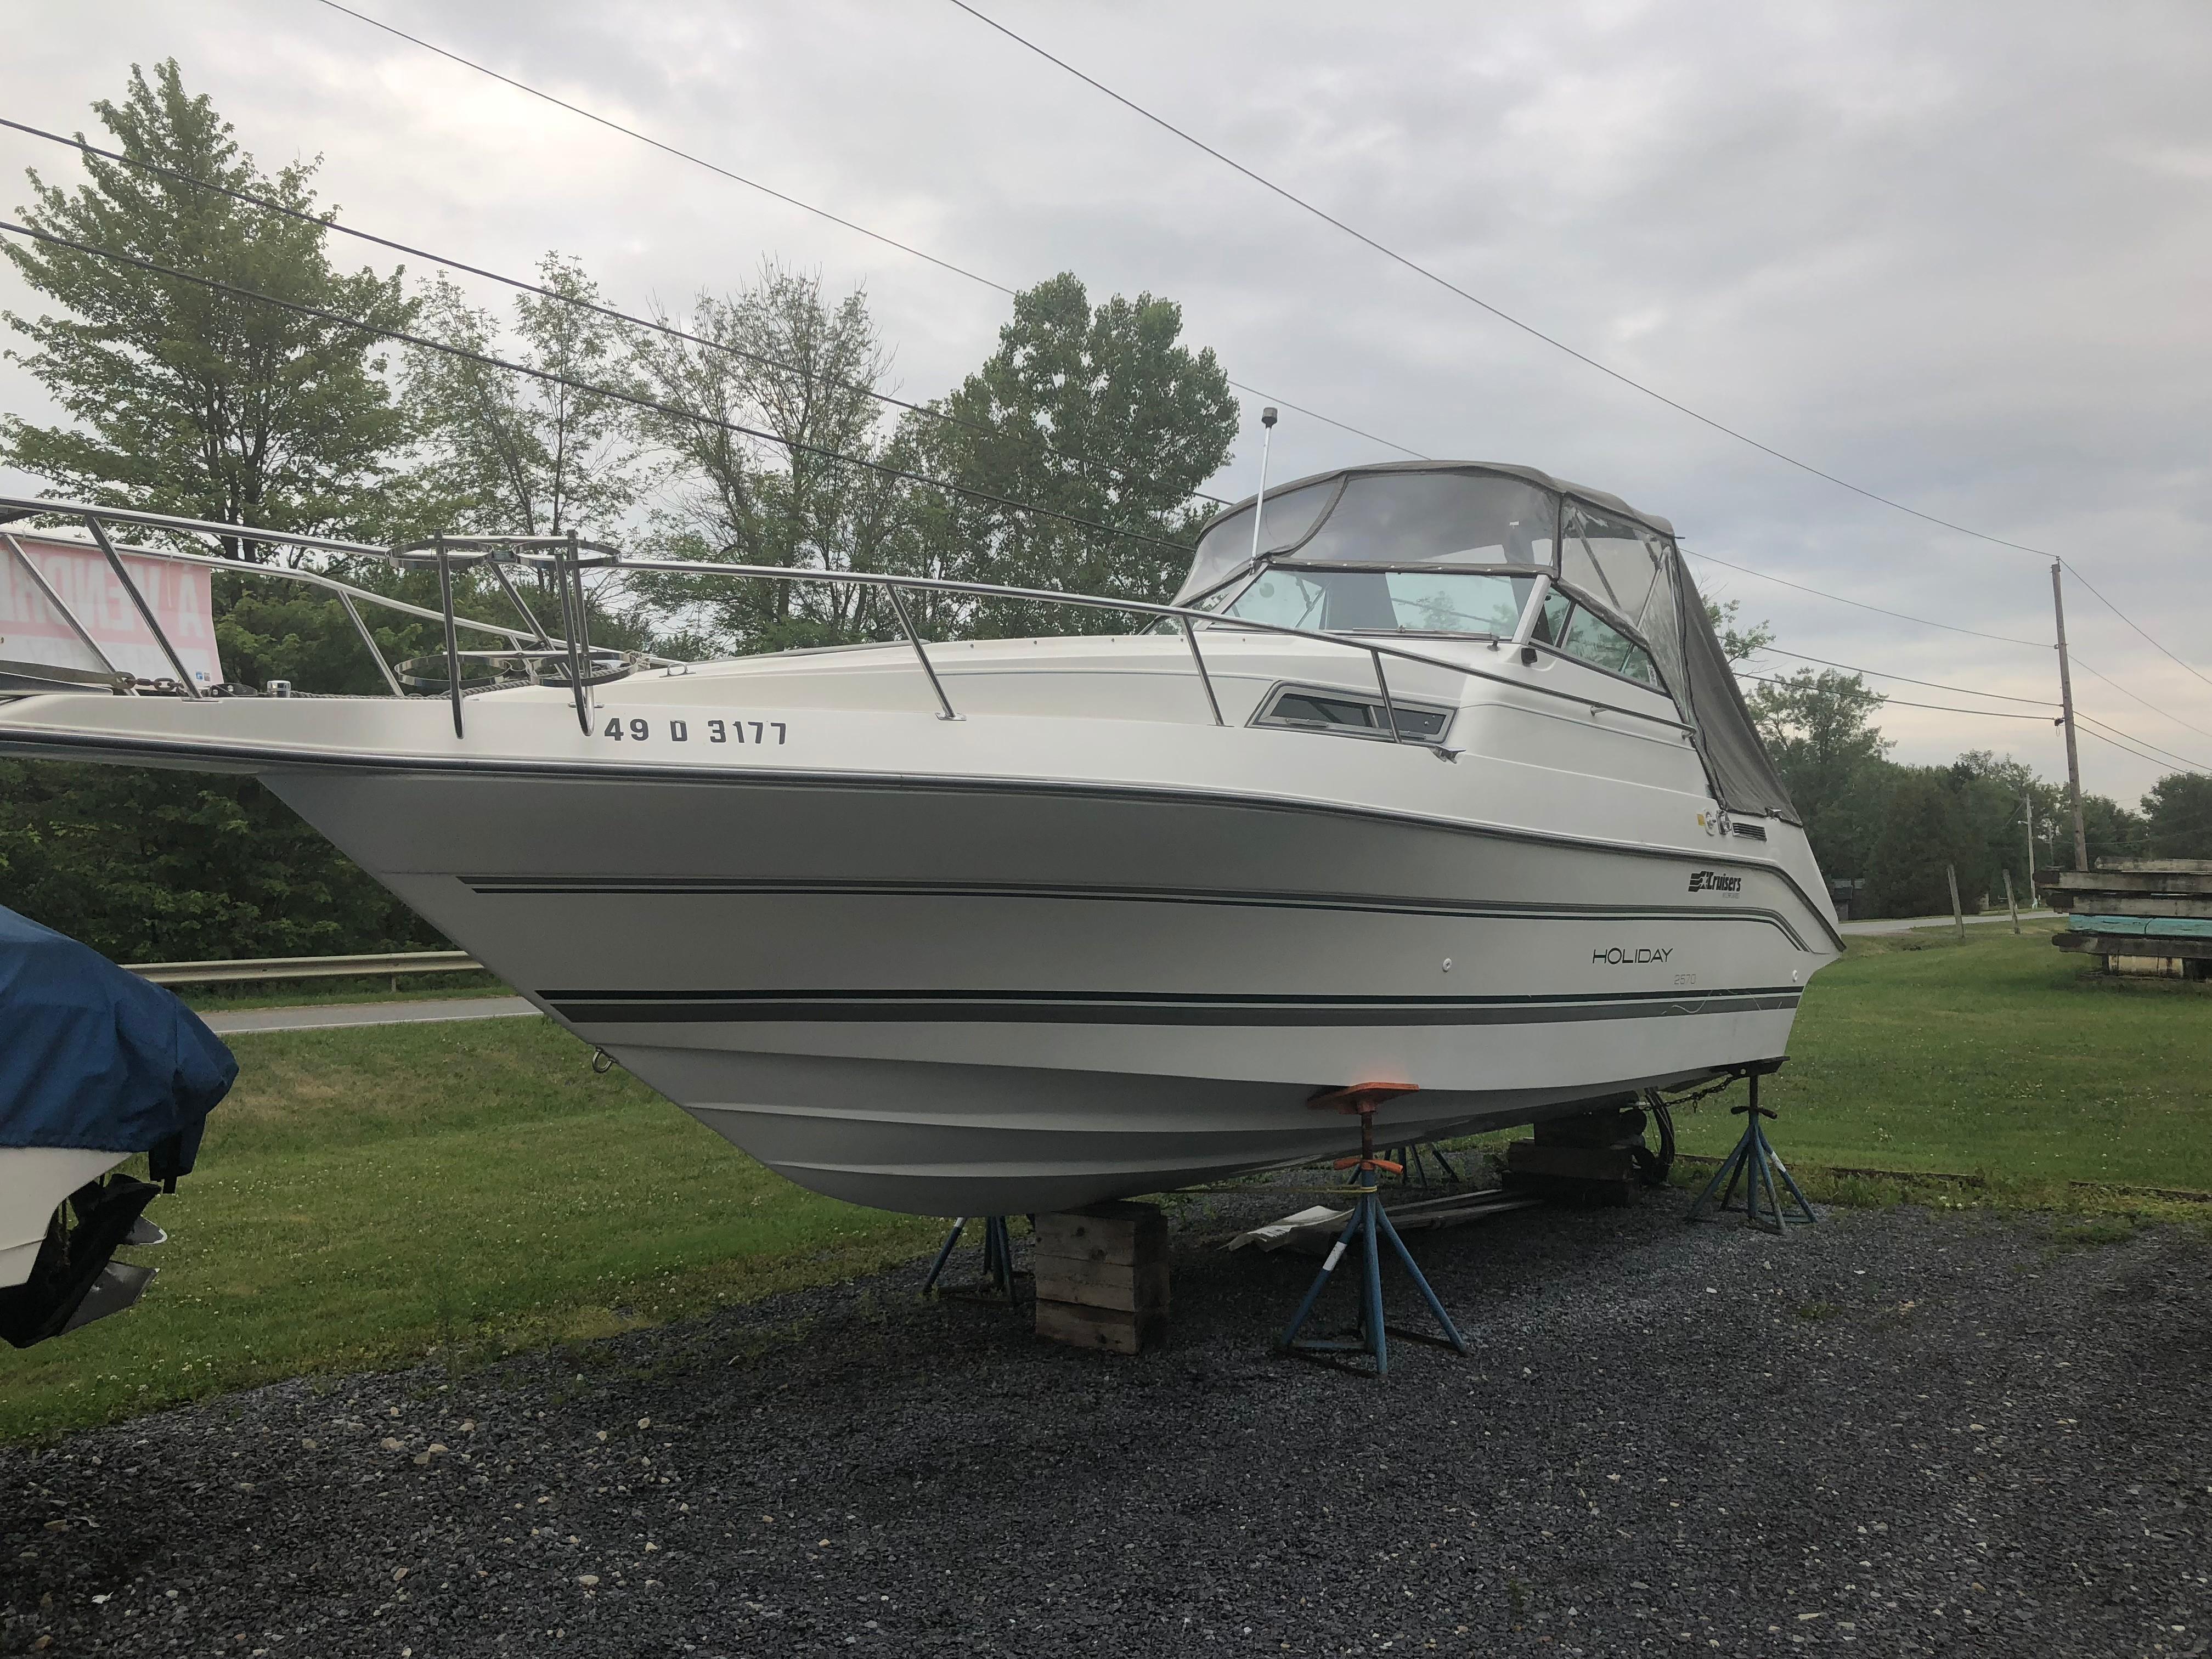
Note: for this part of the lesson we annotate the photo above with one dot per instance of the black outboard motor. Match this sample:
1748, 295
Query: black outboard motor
94, 1063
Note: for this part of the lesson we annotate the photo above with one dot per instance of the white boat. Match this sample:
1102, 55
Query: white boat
1449, 787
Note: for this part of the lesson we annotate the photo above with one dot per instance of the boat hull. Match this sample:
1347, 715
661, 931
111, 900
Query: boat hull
1024, 960
930, 995
34, 1182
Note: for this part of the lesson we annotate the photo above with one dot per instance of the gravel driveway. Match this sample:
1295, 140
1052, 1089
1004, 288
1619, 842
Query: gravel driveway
1896, 1433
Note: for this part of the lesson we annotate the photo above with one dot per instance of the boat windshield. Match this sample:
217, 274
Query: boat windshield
1463, 517
1429, 601
1436, 518
1226, 547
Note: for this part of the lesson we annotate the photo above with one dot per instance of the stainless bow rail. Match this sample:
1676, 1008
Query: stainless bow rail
534, 654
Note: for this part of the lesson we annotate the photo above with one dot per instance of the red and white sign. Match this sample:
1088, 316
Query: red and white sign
33, 631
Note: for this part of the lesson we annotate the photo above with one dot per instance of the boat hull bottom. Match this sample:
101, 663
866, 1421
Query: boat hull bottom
949, 1140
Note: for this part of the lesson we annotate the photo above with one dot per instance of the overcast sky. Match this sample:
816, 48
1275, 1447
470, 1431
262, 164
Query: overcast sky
1960, 256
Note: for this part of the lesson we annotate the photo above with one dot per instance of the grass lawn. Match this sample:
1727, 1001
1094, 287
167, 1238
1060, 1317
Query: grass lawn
2002, 1057
368, 1196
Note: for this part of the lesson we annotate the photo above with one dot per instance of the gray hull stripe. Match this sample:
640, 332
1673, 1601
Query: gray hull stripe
1132, 1008
1379, 904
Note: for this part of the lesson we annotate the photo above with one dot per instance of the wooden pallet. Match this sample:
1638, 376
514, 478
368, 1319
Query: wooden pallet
1101, 1277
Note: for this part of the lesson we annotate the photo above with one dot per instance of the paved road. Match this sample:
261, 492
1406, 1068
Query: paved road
1906, 924
330, 1014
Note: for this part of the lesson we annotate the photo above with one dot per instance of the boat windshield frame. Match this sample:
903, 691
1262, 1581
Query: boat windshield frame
1543, 584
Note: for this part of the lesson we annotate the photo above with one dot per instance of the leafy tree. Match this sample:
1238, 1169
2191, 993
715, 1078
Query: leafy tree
207, 405
186, 400
1115, 384
1738, 644
1924, 828
1820, 733
176, 866
2179, 814
517, 455
785, 360
2113, 831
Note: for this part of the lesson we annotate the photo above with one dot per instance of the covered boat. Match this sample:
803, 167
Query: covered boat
95, 1066
1434, 774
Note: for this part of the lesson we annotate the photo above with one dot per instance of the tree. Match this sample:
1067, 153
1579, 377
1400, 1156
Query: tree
1150, 420
213, 406
1925, 829
2179, 814
176, 866
2111, 829
1738, 644
188, 400
784, 360
515, 454
1818, 730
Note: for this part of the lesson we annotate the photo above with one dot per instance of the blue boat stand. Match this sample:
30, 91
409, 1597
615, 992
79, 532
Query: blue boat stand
998, 1281
1757, 1165
1365, 1233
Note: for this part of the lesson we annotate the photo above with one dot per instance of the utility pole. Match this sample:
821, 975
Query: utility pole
2027, 817
2066, 704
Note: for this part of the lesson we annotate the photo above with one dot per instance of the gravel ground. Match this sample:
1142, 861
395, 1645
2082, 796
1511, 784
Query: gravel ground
1899, 1432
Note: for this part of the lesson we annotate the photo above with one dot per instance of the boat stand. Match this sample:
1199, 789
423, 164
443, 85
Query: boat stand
1366, 1232
1755, 1162
997, 1284
1415, 1172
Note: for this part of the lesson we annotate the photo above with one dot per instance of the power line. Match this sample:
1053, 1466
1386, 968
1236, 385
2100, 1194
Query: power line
2189, 765
2105, 728
1898, 702
652, 404
2124, 692
1970, 691
327, 222
1853, 668
1530, 328
792, 201
1342, 426
1925, 622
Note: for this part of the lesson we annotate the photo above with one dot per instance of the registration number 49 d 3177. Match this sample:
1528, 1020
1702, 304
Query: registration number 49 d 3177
722, 731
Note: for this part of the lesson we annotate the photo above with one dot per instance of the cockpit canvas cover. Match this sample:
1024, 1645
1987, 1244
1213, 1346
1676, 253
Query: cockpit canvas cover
96, 1057
1498, 516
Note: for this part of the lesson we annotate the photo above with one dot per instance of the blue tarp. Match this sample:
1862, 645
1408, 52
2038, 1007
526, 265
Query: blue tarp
93, 1055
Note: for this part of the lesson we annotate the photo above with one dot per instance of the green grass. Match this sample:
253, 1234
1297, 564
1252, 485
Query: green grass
366, 1198
2000, 1057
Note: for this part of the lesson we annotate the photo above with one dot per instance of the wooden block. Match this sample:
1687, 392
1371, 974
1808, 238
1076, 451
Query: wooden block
1132, 1288
1573, 1162
1620, 1123
1116, 1330
1120, 1232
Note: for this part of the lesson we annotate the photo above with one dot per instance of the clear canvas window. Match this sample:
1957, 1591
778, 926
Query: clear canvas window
1426, 601
1226, 547
1613, 560
1448, 518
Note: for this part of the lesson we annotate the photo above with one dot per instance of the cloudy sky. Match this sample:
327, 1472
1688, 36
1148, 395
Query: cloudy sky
1960, 256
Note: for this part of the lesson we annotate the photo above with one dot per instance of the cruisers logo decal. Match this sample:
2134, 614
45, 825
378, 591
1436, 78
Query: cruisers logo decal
1712, 881
1620, 955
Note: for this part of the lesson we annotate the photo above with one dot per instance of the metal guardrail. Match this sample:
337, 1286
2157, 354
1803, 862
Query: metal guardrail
568, 659
216, 973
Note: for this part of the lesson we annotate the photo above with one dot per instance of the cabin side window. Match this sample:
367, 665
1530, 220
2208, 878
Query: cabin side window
1575, 630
